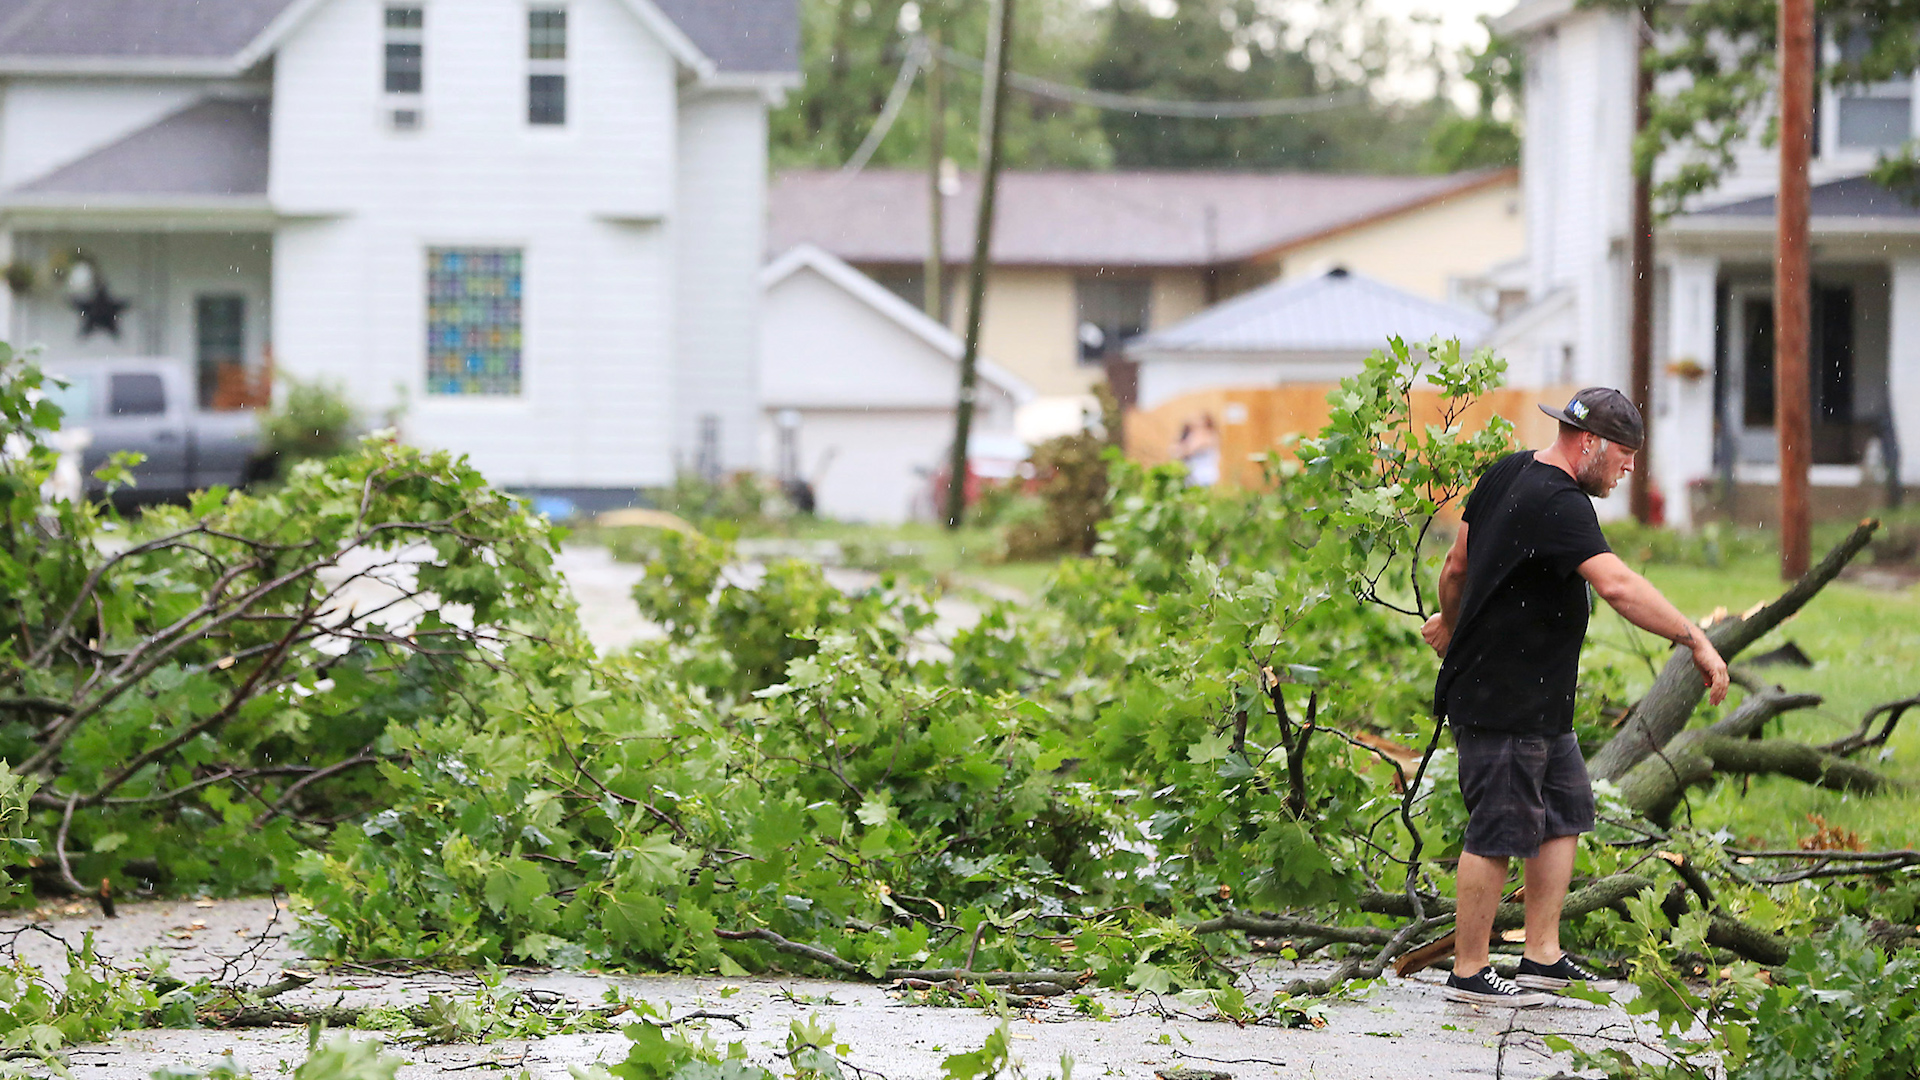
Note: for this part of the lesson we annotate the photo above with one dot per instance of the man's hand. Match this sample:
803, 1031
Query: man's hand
1439, 635
1713, 670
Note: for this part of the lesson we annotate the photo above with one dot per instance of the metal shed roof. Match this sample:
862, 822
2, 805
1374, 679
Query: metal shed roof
1337, 311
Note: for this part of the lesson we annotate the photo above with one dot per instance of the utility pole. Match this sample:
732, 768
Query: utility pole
1640, 493
935, 302
993, 97
1792, 287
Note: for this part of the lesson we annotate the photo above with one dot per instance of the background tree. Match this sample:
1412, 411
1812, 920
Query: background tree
1486, 137
1203, 50
1242, 50
851, 54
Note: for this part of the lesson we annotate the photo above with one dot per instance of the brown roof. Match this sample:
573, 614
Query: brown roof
1094, 218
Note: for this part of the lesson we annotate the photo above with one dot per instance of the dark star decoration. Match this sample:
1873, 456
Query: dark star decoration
100, 311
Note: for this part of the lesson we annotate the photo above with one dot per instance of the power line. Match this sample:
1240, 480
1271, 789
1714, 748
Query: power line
919, 54
917, 57
1190, 110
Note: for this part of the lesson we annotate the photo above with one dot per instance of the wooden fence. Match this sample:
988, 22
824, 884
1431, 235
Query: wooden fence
1256, 421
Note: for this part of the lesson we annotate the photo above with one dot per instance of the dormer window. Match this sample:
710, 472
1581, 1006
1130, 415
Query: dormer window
547, 66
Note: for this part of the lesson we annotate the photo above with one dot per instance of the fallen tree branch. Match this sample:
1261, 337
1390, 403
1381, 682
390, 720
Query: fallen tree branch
1655, 787
1864, 738
932, 975
1663, 713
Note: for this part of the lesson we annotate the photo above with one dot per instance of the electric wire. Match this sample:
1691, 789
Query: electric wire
1145, 106
919, 53
917, 56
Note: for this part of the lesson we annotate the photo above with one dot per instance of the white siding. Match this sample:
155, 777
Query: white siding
584, 202
46, 123
823, 347
1579, 135
874, 400
719, 228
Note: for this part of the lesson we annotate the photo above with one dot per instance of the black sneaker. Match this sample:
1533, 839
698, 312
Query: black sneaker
1560, 974
1488, 988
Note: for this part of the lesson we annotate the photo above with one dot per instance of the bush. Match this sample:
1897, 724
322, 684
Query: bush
311, 420
1071, 473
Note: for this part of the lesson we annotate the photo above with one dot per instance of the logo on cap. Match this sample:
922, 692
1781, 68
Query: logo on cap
1577, 408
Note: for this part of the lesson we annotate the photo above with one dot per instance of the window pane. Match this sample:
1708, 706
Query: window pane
136, 395
473, 320
219, 329
1112, 310
75, 399
546, 99
405, 18
1875, 121
403, 68
546, 35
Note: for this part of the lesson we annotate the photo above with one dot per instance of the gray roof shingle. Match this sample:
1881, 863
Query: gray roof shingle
1111, 219
212, 148
743, 36
1335, 312
750, 37
1857, 197
173, 29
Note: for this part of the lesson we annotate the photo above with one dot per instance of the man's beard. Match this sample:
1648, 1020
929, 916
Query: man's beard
1592, 477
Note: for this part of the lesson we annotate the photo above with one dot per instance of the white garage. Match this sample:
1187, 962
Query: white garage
857, 390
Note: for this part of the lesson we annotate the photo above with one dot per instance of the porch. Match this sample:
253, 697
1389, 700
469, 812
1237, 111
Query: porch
1716, 448
198, 298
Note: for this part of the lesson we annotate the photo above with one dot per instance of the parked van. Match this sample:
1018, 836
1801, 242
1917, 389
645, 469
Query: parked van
149, 405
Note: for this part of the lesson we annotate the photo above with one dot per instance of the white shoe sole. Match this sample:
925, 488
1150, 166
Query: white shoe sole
1498, 1001
1543, 982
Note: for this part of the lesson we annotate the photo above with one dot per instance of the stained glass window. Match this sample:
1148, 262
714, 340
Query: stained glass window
473, 320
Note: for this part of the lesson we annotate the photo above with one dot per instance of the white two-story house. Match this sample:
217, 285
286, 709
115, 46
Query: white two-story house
1712, 422
530, 229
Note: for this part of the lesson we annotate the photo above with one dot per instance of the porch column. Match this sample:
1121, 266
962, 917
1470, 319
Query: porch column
6, 293
1683, 387
1903, 365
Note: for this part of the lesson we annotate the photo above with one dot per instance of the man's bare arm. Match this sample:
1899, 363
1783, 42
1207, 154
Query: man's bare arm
1438, 631
1635, 598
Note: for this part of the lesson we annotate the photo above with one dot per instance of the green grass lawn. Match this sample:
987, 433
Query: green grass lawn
1865, 644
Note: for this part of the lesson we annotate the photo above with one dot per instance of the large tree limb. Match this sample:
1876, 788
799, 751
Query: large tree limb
1664, 711
1655, 786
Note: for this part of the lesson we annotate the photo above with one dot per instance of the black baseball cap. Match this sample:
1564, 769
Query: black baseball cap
1607, 413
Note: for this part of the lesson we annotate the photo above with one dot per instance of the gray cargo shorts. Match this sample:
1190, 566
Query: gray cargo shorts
1521, 790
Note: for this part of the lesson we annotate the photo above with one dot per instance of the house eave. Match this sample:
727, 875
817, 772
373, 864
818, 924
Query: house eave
123, 67
1704, 225
164, 213
1530, 18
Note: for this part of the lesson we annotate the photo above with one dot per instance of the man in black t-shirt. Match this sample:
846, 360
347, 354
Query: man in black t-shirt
1513, 615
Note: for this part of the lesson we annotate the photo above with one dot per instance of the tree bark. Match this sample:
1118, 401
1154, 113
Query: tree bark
1655, 786
1664, 711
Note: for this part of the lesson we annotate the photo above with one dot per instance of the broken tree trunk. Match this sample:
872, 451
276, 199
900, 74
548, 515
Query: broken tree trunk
1664, 711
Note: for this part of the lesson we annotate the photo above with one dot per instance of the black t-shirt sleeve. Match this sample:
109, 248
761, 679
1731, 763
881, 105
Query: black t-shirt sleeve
1569, 532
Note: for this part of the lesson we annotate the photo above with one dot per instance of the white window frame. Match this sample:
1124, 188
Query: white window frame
550, 67
403, 110
1834, 98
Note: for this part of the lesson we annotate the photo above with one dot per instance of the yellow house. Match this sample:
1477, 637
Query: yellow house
1083, 261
